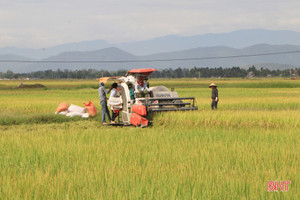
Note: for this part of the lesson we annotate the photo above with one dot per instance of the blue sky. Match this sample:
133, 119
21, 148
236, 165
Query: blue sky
45, 23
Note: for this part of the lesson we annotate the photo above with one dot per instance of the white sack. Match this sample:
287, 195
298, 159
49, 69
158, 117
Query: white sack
63, 112
85, 115
77, 109
115, 101
72, 114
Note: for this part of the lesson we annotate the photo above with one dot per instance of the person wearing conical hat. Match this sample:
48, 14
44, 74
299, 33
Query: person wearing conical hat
214, 96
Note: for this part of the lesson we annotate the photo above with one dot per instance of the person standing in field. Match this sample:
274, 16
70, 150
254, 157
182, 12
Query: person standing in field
214, 96
114, 93
103, 101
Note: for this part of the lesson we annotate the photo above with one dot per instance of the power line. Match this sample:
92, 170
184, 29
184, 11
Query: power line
141, 61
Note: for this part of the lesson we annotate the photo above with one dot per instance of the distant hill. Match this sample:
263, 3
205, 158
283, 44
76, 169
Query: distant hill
236, 39
52, 51
107, 54
13, 57
16, 67
115, 54
279, 61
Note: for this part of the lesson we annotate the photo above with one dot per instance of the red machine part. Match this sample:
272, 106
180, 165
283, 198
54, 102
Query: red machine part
138, 120
145, 72
139, 109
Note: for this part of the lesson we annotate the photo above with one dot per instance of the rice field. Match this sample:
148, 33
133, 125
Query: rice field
230, 153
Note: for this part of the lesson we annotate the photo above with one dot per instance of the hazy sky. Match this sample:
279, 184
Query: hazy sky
45, 23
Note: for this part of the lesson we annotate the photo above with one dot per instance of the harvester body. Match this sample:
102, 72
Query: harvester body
160, 99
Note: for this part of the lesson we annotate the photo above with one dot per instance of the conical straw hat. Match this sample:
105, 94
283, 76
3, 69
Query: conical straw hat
212, 85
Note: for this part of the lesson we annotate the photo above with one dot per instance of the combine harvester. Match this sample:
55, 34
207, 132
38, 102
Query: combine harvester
140, 110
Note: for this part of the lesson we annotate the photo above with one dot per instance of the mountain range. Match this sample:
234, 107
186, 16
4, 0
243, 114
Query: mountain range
245, 42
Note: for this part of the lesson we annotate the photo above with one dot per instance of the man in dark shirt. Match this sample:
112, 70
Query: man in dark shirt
214, 96
103, 101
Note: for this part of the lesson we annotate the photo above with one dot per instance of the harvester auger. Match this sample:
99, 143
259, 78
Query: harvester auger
139, 110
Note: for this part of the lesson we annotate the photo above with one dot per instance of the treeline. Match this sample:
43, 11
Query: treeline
224, 72
164, 73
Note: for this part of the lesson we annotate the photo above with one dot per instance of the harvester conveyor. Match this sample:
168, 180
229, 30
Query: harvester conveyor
161, 104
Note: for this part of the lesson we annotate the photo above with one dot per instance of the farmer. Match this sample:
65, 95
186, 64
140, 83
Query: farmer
141, 87
131, 93
114, 93
214, 96
103, 102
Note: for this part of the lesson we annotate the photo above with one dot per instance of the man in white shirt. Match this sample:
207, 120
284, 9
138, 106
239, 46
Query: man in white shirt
141, 86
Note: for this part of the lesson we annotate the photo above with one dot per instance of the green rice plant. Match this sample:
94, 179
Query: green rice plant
57, 161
